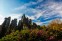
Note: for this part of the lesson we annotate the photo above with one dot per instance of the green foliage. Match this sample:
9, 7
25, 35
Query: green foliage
11, 37
32, 35
25, 31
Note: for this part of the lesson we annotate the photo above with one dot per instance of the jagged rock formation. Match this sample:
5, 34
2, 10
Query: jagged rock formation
7, 27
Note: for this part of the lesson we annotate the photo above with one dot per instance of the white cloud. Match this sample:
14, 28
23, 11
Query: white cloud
37, 14
56, 7
50, 8
24, 6
13, 16
27, 4
17, 16
43, 23
39, 23
31, 17
21, 7
1, 19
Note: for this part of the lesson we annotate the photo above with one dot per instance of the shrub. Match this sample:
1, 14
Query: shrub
11, 37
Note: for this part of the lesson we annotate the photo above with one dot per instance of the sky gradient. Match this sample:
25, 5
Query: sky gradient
40, 11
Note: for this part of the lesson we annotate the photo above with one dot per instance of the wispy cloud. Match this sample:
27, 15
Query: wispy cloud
26, 5
49, 10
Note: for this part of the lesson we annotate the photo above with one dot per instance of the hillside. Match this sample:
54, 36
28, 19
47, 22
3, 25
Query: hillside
26, 30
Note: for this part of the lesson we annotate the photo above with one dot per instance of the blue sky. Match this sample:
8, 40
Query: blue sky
40, 11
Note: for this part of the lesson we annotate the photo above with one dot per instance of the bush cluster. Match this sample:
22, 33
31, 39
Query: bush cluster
33, 35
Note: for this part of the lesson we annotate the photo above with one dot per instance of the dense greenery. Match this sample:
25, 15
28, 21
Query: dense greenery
26, 30
33, 35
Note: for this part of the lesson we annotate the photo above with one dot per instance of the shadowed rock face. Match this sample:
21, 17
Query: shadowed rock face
0, 28
7, 27
13, 24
